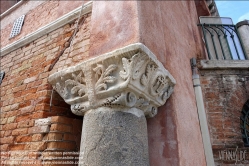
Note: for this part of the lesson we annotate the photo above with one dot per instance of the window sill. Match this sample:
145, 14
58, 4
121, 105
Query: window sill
224, 64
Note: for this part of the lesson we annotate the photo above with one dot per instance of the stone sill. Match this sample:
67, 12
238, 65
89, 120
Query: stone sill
224, 64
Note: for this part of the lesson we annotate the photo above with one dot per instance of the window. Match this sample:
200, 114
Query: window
1, 76
17, 26
244, 123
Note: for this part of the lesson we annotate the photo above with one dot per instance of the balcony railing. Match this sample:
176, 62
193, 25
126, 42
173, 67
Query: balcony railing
222, 40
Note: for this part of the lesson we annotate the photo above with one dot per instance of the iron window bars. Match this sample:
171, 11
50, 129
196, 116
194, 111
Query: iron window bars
222, 39
244, 123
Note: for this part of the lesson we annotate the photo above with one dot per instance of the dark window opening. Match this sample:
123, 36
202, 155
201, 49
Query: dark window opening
2, 74
244, 123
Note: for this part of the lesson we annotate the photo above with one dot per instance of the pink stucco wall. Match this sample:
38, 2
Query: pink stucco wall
168, 28
114, 25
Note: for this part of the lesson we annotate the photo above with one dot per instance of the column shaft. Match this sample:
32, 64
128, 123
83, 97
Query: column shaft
113, 137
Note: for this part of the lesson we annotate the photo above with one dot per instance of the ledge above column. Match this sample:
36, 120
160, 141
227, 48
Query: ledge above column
127, 77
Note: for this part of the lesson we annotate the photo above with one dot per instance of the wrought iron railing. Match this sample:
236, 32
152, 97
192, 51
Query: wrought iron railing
223, 42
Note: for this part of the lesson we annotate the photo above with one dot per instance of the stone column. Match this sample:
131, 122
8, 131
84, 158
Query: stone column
243, 28
115, 92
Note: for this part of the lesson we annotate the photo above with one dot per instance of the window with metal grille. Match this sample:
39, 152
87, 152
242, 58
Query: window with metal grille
244, 123
17, 26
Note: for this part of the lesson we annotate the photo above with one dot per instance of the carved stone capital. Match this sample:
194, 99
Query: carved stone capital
127, 77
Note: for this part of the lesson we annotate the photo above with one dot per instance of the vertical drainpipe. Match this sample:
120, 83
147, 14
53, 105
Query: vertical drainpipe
202, 115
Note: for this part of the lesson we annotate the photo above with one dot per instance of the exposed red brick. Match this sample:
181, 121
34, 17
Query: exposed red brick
60, 128
41, 114
18, 99
36, 146
4, 147
25, 92
27, 109
61, 145
69, 137
37, 137
34, 84
11, 113
30, 96
44, 87
20, 131
59, 110
28, 90
10, 126
54, 136
61, 119
224, 99
19, 88
3, 120
23, 118
42, 107
24, 104
17, 147
21, 138
17, 94
2, 133
7, 133
7, 140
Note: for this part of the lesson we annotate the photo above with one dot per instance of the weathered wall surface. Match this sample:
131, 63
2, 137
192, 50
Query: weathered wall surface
28, 123
114, 25
225, 92
5, 5
37, 15
174, 134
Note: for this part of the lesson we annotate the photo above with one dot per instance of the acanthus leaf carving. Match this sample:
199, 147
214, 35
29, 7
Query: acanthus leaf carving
127, 68
146, 77
60, 89
137, 62
132, 67
128, 77
103, 76
78, 84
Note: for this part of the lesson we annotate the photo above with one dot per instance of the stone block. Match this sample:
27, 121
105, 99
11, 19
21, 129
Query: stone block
39, 129
43, 122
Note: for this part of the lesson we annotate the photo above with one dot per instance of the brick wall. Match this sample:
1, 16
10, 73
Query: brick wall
27, 122
225, 92
35, 17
